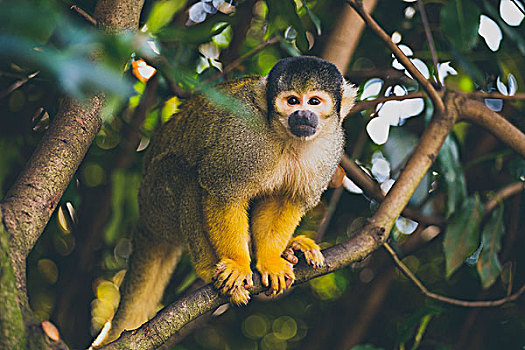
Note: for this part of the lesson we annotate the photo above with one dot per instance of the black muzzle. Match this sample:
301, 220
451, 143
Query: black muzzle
303, 123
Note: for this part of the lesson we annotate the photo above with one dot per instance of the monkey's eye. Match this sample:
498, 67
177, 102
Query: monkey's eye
314, 101
292, 100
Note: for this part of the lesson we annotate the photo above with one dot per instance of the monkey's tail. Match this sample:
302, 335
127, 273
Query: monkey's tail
150, 269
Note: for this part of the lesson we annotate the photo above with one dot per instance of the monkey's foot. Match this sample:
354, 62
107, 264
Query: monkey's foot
277, 274
234, 280
312, 252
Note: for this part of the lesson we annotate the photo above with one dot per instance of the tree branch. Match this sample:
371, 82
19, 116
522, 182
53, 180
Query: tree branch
12, 331
488, 303
362, 105
430, 39
476, 112
84, 14
345, 36
30, 202
402, 58
247, 55
372, 189
505, 192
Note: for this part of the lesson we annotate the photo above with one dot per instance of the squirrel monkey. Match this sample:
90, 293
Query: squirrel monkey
231, 181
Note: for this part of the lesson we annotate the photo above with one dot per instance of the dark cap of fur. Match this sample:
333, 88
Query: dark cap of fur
304, 73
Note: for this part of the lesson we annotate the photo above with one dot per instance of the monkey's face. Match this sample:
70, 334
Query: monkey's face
304, 114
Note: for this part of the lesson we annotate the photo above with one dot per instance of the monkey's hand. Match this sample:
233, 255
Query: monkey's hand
312, 252
234, 280
277, 274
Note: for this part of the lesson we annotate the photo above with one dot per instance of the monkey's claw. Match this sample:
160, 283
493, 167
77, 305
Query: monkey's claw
276, 274
312, 252
233, 279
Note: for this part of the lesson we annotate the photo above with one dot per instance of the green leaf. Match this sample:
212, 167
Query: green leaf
462, 234
452, 175
124, 205
315, 20
198, 33
366, 347
460, 23
517, 167
162, 13
406, 328
282, 14
489, 267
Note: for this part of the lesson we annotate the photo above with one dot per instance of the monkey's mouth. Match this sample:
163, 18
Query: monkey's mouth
303, 130
303, 123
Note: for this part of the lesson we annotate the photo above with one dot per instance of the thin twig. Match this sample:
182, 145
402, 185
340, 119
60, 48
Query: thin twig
476, 112
505, 192
482, 94
402, 58
360, 106
17, 84
247, 55
465, 303
430, 39
84, 14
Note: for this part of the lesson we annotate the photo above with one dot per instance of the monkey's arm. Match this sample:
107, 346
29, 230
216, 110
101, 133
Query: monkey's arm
227, 227
273, 223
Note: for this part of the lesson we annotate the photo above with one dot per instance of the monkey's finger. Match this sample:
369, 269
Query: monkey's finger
220, 269
221, 279
289, 255
231, 281
249, 282
289, 275
264, 279
282, 284
320, 258
274, 283
239, 296
288, 280
317, 258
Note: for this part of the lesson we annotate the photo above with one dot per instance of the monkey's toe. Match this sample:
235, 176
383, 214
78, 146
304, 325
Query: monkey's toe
233, 279
277, 274
312, 252
239, 296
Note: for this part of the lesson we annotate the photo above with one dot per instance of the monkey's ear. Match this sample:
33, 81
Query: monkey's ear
347, 102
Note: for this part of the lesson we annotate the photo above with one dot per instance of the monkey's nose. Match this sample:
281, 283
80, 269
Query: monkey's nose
303, 123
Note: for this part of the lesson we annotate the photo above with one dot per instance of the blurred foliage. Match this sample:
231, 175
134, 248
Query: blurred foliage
48, 51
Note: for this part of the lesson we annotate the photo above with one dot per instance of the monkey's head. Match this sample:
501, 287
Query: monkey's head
306, 94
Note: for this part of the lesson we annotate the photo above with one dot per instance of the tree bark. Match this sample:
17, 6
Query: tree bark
30, 202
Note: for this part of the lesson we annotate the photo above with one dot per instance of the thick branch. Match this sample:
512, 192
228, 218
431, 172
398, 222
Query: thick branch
477, 112
345, 36
372, 189
118, 15
30, 202
12, 332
